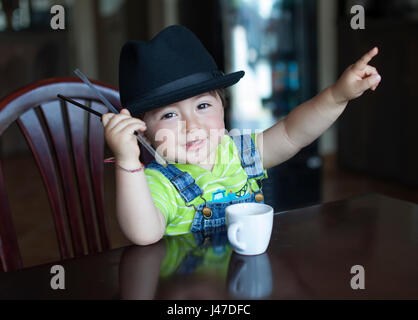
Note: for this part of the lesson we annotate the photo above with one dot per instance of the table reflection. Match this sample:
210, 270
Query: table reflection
310, 256
191, 266
250, 277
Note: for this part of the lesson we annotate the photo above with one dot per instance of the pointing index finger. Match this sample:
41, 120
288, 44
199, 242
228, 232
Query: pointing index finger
362, 63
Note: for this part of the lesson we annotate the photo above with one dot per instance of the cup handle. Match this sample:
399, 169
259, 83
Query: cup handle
232, 236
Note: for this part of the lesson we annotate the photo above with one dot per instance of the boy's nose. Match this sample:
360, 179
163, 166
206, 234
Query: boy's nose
191, 123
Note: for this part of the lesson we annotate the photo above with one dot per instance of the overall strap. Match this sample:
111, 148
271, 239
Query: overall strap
181, 180
250, 157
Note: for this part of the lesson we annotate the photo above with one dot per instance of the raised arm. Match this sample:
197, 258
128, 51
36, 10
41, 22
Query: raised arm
138, 217
309, 120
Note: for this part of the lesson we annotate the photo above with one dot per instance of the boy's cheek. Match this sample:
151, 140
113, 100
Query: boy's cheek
217, 132
167, 149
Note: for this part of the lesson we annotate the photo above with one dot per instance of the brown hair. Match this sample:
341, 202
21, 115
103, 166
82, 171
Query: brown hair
221, 94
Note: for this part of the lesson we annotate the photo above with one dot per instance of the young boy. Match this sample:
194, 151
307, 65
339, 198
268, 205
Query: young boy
172, 84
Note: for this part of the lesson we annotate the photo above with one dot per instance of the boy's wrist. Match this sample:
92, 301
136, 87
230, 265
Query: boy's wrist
336, 99
129, 164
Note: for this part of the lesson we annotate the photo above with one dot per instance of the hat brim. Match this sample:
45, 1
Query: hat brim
149, 103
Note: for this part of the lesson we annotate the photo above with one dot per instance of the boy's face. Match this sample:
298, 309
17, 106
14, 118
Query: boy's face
188, 131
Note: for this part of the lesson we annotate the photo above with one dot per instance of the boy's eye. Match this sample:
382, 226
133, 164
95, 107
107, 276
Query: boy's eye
203, 106
168, 115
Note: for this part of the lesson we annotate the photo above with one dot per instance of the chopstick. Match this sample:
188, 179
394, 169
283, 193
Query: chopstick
82, 106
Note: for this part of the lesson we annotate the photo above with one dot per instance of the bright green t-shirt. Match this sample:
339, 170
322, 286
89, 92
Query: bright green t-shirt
226, 181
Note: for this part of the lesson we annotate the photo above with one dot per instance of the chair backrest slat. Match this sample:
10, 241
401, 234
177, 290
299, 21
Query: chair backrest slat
10, 258
96, 154
78, 135
54, 119
34, 134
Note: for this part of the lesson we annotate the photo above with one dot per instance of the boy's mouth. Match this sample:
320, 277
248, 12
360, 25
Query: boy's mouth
195, 144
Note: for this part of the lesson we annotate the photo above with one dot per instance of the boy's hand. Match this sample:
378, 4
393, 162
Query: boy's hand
356, 79
119, 133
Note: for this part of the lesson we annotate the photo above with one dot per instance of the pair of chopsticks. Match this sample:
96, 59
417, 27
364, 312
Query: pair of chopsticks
111, 108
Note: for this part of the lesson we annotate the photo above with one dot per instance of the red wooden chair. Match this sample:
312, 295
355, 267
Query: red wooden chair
56, 131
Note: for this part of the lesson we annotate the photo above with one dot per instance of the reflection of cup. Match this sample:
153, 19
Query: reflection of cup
249, 227
250, 277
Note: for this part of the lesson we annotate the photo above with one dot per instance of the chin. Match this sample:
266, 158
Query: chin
196, 160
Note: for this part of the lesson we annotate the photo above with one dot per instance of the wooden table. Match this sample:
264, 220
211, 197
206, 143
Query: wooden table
310, 256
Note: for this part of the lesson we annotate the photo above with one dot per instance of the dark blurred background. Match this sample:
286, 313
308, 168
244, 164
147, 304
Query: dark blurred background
290, 50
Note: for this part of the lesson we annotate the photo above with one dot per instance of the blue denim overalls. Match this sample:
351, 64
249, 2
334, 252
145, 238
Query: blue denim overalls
206, 221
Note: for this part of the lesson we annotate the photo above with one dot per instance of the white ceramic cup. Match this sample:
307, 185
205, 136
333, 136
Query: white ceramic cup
249, 227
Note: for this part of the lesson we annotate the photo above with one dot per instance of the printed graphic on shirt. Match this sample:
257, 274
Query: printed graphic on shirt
221, 196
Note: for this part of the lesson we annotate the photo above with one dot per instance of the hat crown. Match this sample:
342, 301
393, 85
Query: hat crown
172, 54
171, 67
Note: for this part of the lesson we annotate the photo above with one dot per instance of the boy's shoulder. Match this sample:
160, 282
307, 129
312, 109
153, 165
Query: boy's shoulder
236, 138
233, 140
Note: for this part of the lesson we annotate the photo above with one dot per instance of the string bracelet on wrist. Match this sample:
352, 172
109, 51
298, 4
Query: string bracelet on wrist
112, 160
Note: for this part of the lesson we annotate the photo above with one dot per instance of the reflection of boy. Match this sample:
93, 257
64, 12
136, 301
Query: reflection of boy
185, 254
173, 84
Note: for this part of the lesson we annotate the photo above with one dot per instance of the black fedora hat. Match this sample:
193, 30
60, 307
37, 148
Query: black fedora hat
171, 67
